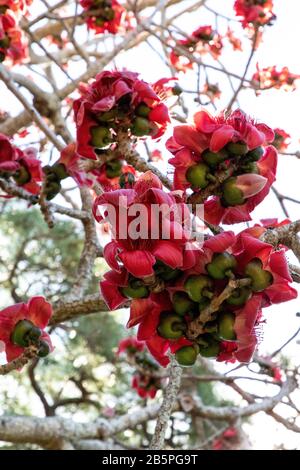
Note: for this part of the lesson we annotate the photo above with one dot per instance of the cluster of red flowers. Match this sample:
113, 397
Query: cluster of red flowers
282, 140
171, 282
227, 440
225, 162
21, 165
103, 15
270, 77
254, 12
12, 43
203, 40
22, 325
145, 379
115, 107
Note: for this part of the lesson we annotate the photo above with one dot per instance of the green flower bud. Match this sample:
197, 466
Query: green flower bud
221, 265
25, 333
187, 355
140, 127
198, 287
213, 159
250, 167
255, 154
113, 168
170, 326
142, 110
197, 175
226, 326
60, 171
52, 189
22, 176
237, 148
44, 349
107, 116
100, 136
231, 194
239, 296
211, 348
135, 290
261, 279
166, 273
182, 304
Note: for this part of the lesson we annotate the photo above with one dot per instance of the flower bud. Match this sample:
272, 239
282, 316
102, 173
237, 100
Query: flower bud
261, 279
140, 127
221, 266
142, 110
60, 171
44, 348
113, 168
25, 333
52, 189
166, 273
182, 304
135, 290
250, 167
237, 148
255, 154
197, 175
226, 326
198, 287
231, 194
211, 348
239, 296
22, 176
100, 136
170, 326
213, 159
187, 355
107, 116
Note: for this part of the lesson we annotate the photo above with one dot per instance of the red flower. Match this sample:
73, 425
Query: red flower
234, 41
117, 100
270, 77
37, 312
125, 178
254, 12
144, 386
282, 140
130, 345
227, 438
139, 254
12, 43
107, 15
230, 138
8, 155
71, 160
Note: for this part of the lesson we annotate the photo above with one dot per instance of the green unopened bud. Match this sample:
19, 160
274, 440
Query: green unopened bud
107, 115
212, 347
44, 348
187, 355
22, 176
255, 154
182, 304
261, 279
250, 167
100, 136
140, 127
231, 194
237, 148
213, 159
60, 171
197, 175
52, 189
166, 273
142, 110
226, 326
113, 168
135, 290
170, 326
239, 296
221, 265
198, 287
25, 333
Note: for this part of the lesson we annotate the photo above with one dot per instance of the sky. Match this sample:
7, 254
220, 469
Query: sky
276, 108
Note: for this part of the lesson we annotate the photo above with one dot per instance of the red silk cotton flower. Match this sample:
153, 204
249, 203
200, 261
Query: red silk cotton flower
23, 166
254, 12
282, 140
224, 161
103, 15
23, 324
12, 43
117, 103
270, 77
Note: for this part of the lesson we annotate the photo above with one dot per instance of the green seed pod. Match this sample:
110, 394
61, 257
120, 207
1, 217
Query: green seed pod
237, 148
182, 304
198, 287
100, 136
170, 326
213, 159
255, 154
221, 265
197, 175
60, 171
187, 355
140, 127
44, 349
231, 195
22, 176
239, 296
142, 110
113, 168
261, 279
25, 333
226, 326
